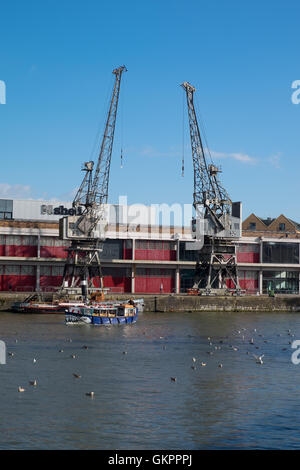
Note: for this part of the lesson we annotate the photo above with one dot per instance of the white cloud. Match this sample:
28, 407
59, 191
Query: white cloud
241, 157
149, 151
15, 191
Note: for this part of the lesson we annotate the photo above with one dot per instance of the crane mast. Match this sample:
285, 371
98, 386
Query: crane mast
86, 231
93, 192
221, 219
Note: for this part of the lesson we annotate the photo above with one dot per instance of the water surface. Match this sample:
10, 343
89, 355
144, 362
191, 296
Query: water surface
136, 405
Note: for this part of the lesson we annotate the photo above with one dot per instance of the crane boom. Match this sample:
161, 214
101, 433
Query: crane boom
99, 192
86, 231
221, 222
208, 190
93, 191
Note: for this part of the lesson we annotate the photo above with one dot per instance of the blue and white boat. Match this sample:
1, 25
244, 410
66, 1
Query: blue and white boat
101, 314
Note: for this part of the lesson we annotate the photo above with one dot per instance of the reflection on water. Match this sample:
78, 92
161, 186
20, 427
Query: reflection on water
136, 405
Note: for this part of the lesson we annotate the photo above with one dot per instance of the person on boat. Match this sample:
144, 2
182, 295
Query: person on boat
131, 302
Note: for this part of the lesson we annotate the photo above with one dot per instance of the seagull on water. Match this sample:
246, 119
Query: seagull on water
258, 359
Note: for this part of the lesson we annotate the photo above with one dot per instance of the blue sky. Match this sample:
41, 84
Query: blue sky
57, 59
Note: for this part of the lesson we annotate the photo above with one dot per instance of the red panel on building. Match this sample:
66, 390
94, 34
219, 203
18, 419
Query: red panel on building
248, 257
127, 253
53, 252
248, 253
116, 284
154, 281
50, 281
18, 283
20, 250
155, 255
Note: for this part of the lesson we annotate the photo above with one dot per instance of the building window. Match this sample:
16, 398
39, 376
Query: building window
281, 282
6, 208
281, 227
280, 253
5, 215
252, 226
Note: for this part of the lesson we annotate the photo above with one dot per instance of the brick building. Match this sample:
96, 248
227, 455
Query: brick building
138, 257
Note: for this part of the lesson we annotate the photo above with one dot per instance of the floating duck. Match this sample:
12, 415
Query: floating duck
33, 383
90, 394
21, 389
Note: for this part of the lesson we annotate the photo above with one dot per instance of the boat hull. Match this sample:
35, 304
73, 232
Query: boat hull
30, 308
72, 319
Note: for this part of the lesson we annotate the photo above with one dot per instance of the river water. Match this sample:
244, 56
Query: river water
136, 404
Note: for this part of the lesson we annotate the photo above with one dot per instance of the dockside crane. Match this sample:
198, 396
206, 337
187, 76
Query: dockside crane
86, 228
218, 219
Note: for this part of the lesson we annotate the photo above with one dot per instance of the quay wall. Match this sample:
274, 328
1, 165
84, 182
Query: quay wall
186, 303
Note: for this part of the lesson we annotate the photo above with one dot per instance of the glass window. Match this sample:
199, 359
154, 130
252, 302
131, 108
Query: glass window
281, 282
281, 227
115, 272
6, 205
27, 270
141, 272
45, 270
274, 252
252, 226
57, 270
187, 255
12, 269
29, 240
128, 244
251, 275
143, 244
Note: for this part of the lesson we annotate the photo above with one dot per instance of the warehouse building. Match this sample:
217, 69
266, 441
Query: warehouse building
139, 255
